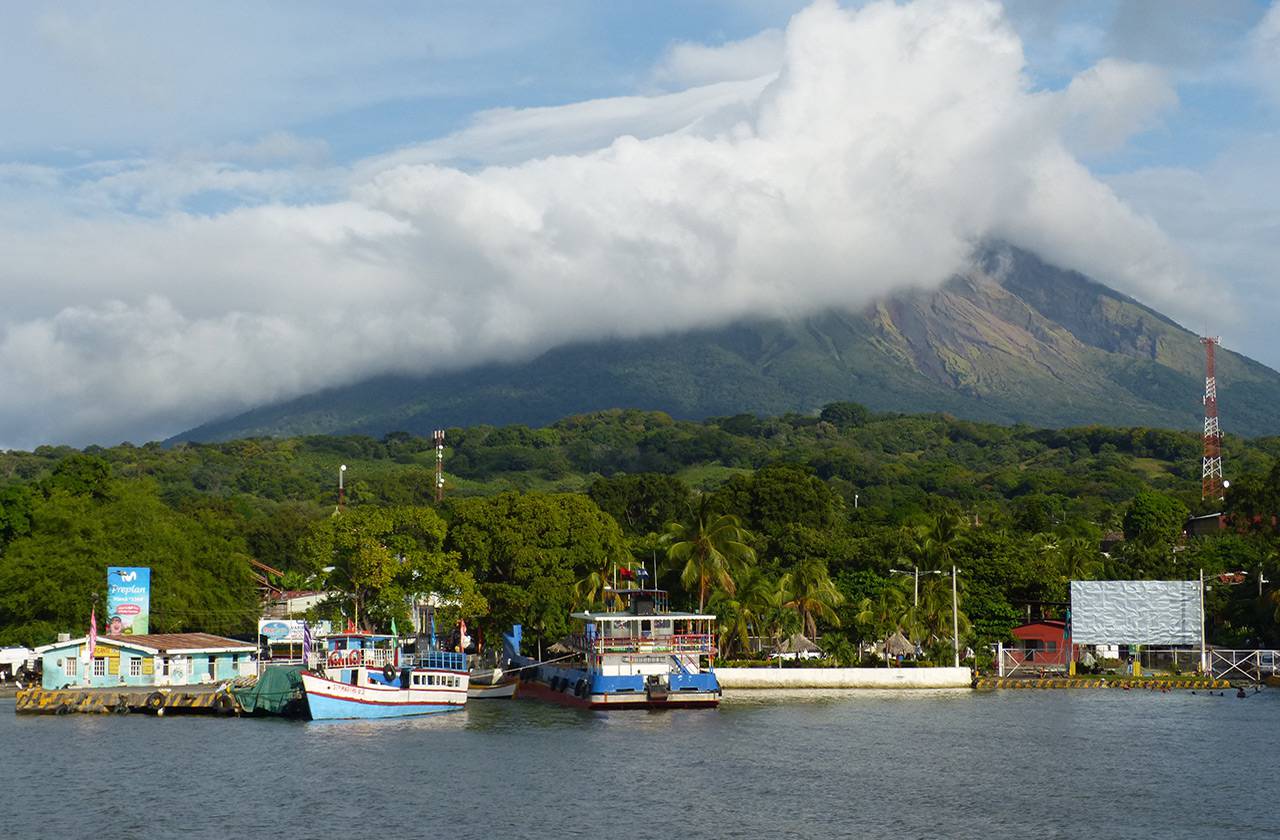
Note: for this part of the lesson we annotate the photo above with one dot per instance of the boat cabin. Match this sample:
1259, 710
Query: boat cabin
644, 637
368, 659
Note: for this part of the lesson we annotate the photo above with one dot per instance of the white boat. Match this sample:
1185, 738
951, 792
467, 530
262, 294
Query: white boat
366, 676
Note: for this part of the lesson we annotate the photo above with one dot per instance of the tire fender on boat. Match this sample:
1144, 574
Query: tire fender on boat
389, 673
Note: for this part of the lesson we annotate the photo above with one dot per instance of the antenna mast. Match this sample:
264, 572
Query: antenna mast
1211, 470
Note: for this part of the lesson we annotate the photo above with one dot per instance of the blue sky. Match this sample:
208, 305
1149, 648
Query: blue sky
209, 207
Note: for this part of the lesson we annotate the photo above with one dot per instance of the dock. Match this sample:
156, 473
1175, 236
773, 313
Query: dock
1132, 683
190, 699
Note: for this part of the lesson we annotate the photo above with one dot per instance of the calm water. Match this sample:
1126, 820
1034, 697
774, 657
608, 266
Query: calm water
1046, 764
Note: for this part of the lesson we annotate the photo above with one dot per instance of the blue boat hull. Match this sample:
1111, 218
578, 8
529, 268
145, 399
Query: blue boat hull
329, 708
332, 700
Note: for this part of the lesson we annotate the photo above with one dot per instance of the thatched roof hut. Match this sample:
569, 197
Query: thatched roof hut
898, 645
798, 643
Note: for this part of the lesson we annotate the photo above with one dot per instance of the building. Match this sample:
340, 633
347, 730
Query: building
1042, 643
153, 659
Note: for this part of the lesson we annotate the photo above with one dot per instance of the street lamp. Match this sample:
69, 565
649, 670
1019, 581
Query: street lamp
342, 497
915, 573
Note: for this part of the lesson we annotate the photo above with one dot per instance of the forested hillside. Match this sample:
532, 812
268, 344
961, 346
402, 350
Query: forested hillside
813, 512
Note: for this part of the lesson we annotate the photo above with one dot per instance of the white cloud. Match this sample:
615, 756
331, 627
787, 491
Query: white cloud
892, 139
687, 64
1265, 50
1114, 100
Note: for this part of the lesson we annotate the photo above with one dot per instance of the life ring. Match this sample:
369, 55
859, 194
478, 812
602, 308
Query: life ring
389, 673
155, 701
63, 709
224, 704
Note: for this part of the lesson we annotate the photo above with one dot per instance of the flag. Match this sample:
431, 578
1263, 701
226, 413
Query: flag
306, 644
395, 641
433, 629
642, 572
462, 636
351, 626
93, 630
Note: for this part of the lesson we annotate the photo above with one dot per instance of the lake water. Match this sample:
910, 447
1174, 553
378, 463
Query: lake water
962, 764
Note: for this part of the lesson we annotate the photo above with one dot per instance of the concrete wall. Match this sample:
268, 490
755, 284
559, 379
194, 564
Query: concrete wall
734, 678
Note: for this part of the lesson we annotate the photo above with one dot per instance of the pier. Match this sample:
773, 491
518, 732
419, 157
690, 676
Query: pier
193, 699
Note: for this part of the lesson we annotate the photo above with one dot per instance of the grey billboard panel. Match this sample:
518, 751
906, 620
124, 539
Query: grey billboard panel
1135, 612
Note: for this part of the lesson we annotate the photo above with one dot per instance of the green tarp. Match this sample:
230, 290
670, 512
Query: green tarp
276, 686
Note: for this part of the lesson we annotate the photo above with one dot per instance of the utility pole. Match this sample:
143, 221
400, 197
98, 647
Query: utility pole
342, 493
955, 617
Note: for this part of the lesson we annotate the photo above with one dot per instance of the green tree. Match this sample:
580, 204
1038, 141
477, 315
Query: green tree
380, 559
708, 550
810, 592
1154, 518
53, 575
528, 550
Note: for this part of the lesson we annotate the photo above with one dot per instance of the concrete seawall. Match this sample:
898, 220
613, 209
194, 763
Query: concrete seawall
735, 678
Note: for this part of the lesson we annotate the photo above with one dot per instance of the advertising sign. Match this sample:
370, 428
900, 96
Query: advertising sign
128, 601
289, 629
1135, 612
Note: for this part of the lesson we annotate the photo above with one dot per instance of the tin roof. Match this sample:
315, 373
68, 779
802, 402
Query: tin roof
164, 643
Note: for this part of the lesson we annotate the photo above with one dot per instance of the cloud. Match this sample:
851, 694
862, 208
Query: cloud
687, 64
1114, 100
1264, 47
892, 138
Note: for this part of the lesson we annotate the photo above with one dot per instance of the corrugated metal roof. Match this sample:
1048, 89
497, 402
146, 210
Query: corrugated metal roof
163, 642
183, 641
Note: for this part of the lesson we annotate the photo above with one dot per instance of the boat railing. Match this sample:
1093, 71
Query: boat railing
382, 657
690, 643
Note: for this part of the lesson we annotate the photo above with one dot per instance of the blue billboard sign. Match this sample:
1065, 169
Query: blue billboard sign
128, 601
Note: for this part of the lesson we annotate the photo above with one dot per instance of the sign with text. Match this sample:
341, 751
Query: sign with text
128, 601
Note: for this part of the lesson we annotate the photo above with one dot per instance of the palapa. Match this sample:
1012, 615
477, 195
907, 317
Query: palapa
798, 643
898, 645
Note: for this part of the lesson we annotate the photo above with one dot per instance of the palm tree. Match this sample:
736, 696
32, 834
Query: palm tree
883, 615
811, 593
709, 550
747, 612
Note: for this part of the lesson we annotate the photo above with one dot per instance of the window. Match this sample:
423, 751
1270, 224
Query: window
70, 667
135, 666
99, 666
164, 666
213, 668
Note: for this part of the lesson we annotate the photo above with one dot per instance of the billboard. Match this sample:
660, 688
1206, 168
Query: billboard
128, 601
1135, 612
289, 629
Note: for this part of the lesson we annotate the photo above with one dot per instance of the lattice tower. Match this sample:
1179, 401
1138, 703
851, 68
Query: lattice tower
1211, 468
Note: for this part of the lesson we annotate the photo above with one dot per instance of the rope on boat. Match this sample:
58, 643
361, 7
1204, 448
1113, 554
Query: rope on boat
543, 662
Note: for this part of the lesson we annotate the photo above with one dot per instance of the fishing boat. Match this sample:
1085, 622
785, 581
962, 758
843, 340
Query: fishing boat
363, 675
492, 681
640, 656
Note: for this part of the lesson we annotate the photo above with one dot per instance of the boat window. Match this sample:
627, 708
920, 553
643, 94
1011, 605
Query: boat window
355, 676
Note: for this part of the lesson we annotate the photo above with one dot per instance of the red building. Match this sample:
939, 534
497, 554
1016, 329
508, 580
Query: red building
1041, 643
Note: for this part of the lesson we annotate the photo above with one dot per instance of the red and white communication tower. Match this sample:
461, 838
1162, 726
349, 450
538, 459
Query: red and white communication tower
1211, 483
438, 437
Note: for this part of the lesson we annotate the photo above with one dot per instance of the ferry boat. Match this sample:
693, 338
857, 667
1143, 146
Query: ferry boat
363, 675
642, 656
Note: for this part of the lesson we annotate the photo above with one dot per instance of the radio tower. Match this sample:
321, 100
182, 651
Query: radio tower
438, 437
1211, 471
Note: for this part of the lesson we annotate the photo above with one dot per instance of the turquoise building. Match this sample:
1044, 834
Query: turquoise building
154, 659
